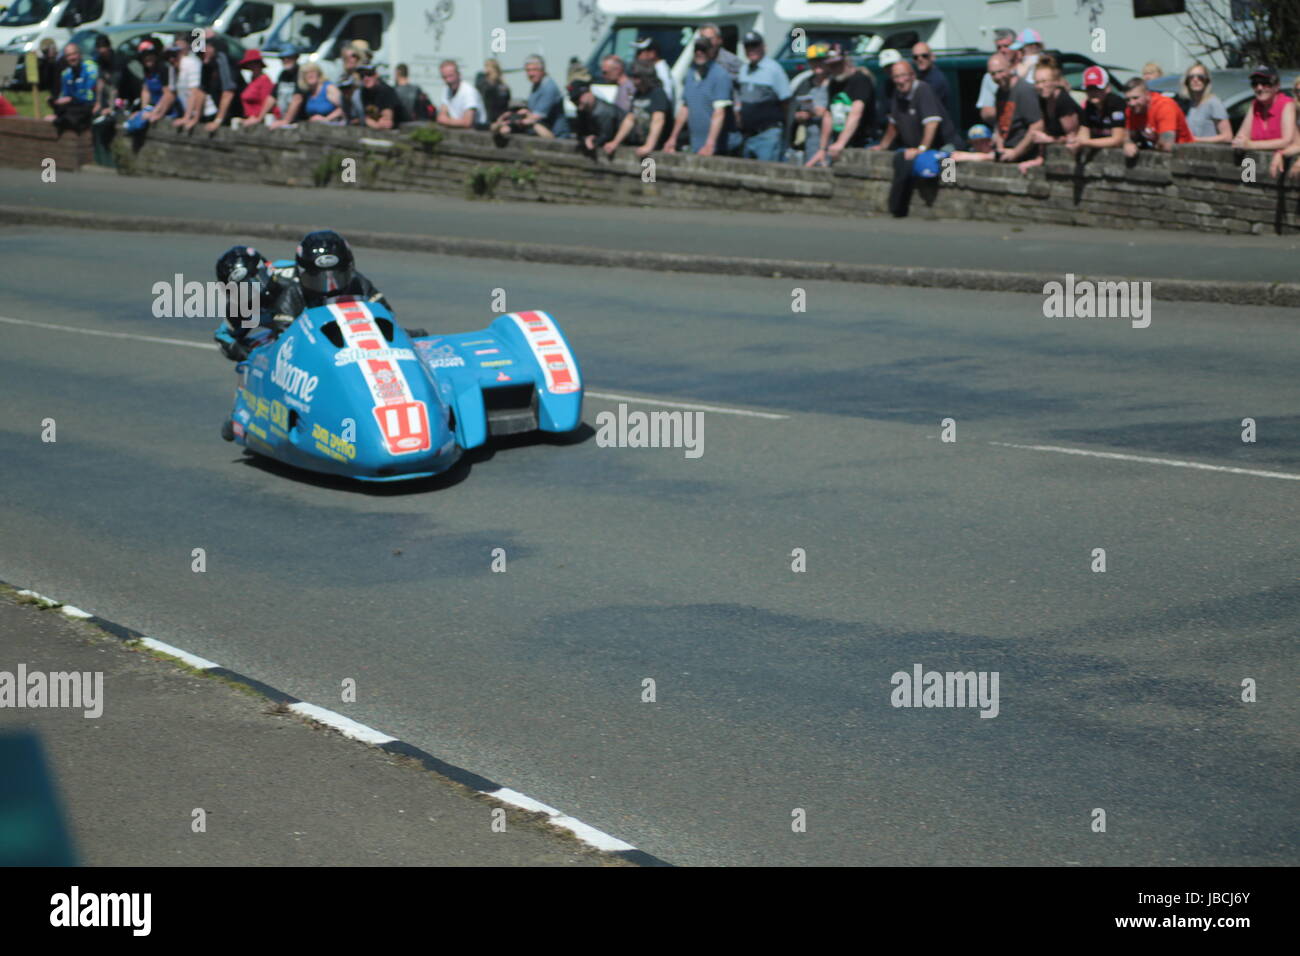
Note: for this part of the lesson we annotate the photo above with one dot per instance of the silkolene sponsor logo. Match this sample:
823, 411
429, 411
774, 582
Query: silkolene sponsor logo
350, 356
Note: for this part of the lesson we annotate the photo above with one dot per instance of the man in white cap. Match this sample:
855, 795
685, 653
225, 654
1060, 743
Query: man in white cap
885, 90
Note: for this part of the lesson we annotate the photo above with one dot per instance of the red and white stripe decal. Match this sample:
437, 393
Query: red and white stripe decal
550, 351
403, 421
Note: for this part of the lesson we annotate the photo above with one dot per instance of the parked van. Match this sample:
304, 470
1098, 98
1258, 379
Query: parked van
423, 36
25, 23
250, 21
1121, 36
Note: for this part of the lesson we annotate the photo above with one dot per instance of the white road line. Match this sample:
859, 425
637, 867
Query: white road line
586, 833
206, 345
107, 335
693, 407
1174, 462
198, 663
344, 725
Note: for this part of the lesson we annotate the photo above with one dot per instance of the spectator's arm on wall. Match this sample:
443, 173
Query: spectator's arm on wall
1242, 139
928, 133
624, 128
716, 122
1018, 151
678, 123
850, 127
658, 119
291, 113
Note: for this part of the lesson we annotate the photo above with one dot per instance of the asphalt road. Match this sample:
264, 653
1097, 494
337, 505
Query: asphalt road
988, 246
1118, 691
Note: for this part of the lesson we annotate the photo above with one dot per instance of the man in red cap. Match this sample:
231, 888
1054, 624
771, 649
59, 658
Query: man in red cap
1154, 121
1103, 113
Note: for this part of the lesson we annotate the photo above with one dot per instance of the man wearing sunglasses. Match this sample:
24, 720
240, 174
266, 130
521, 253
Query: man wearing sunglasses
929, 74
1270, 122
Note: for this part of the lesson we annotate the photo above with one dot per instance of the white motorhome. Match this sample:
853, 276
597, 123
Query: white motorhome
423, 34
1121, 32
26, 23
672, 25
248, 21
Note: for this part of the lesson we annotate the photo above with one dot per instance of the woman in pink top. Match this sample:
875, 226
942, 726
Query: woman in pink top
1270, 121
257, 96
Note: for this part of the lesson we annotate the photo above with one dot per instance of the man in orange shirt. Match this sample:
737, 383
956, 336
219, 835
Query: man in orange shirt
1154, 121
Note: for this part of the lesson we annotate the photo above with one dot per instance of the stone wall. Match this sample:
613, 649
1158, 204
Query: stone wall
26, 142
1197, 187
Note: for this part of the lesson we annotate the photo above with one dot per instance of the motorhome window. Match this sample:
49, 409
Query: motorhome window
518, 11
153, 10
669, 39
365, 26
306, 28
197, 11
252, 18
24, 13
82, 11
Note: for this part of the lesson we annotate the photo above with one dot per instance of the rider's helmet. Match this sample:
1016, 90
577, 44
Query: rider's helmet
240, 264
243, 264
325, 263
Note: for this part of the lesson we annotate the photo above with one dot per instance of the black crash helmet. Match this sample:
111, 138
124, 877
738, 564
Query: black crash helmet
325, 263
243, 264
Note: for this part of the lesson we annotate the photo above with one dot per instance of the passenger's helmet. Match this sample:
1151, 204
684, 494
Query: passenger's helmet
325, 263
243, 264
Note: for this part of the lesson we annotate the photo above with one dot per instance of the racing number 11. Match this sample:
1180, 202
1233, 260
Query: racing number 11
405, 426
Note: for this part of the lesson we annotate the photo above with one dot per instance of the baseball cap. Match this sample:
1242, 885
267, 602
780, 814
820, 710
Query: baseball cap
576, 89
1095, 76
752, 38
979, 131
834, 53
1264, 72
889, 57
645, 43
818, 51
1027, 36
927, 164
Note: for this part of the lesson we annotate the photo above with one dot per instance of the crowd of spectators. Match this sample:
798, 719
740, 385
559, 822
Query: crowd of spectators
728, 105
